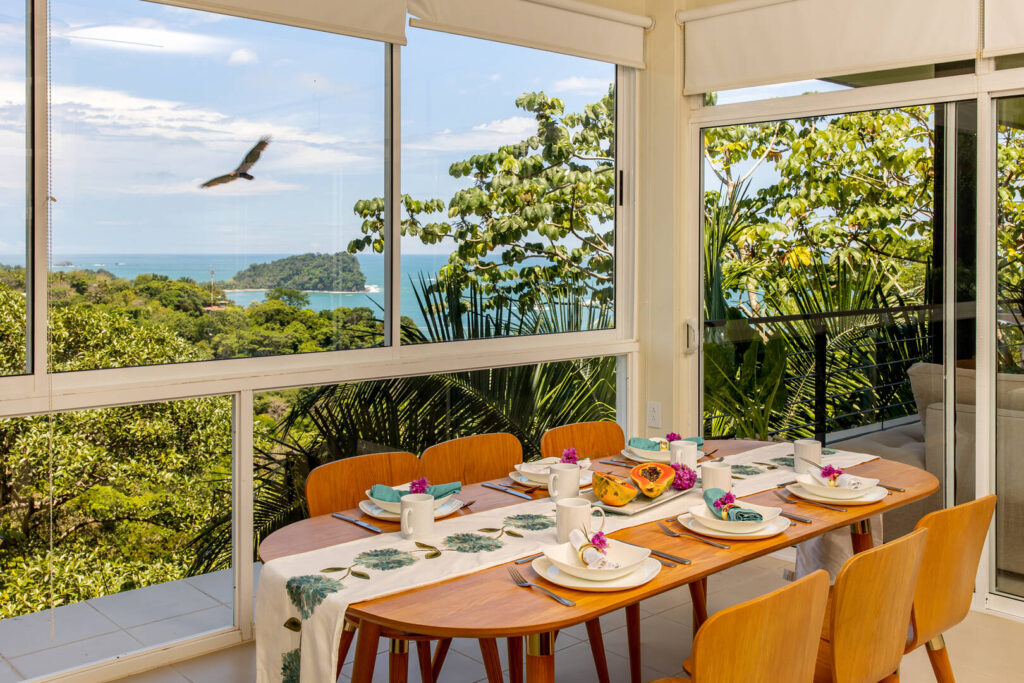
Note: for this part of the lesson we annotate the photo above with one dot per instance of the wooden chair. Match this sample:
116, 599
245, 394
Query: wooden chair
769, 639
942, 598
865, 630
472, 459
590, 439
340, 485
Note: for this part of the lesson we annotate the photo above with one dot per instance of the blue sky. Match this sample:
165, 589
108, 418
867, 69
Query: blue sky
149, 101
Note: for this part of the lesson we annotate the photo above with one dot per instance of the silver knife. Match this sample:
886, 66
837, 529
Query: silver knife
658, 553
496, 487
798, 518
357, 522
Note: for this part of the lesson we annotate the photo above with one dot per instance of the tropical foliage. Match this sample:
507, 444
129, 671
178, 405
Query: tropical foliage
311, 272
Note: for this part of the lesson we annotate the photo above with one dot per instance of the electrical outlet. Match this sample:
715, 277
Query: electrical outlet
654, 414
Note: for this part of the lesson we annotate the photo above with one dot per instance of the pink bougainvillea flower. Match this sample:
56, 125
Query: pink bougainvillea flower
830, 472
672, 436
600, 541
569, 456
419, 486
727, 499
685, 477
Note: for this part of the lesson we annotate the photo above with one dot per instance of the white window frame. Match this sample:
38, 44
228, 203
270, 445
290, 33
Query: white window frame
40, 392
984, 86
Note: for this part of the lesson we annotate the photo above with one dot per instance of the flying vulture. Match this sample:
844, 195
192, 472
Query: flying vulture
243, 168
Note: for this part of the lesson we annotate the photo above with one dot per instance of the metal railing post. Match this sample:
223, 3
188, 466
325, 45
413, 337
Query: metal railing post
820, 345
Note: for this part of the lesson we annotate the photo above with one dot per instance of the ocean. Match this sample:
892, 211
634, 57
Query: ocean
224, 266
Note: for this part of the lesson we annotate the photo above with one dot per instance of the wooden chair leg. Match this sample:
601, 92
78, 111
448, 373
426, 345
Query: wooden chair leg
515, 660
366, 652
492, 662
398, 661
596, 639
440, 652
938, 655
348, 633
423, 655
633, 638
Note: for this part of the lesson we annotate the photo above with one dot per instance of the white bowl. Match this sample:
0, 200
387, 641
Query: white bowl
629, 557
397, 507
539, 470
711, 521
811, 485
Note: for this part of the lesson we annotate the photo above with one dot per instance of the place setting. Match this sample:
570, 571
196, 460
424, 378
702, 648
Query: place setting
387, 503
828, 484
641, 450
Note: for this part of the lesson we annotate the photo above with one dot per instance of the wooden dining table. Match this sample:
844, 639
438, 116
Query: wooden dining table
488, 605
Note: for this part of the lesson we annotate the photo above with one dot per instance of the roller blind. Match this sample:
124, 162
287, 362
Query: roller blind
808, 39
382, 20
534, 25
1004, 27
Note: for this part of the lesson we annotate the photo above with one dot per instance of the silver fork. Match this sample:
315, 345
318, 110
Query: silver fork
668, 531
520, 581
809, 502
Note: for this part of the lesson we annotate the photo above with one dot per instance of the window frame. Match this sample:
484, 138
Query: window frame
42, 392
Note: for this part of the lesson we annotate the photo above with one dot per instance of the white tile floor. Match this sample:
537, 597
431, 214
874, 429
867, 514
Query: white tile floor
983, 649
105, 627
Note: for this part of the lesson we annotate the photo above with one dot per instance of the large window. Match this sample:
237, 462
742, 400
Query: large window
105, 516
508, 177
13, 195
204, 174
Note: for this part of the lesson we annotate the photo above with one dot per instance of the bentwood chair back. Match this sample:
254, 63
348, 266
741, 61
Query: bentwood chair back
769, 639
472, 459
942, 598
590, 439
341, 484
871, 602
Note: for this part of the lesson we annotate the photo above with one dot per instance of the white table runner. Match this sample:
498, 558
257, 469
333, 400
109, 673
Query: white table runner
302, 599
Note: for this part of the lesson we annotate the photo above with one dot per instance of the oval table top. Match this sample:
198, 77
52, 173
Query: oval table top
488, 604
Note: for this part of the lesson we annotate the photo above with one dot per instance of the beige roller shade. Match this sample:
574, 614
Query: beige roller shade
382, 20
1004, 27
534, 25
746, 44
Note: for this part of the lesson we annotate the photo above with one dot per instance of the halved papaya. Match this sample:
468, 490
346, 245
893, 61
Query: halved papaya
652, 478
613, 490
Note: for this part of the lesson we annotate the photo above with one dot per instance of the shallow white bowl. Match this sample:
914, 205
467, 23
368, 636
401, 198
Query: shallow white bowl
709, 520
628, 556
812, 486
640, 575
538, 471
397, 507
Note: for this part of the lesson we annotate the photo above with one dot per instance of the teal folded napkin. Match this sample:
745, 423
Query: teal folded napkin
652, 445
390, 495
736, 514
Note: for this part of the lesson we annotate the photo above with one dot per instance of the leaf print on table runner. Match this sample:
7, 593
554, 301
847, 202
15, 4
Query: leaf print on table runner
306, 592
529, 522
290, 667
468, 542
384, 559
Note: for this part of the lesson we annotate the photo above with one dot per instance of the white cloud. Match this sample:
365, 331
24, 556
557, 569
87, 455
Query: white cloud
127, 37
582, 85
243, 56
484, 136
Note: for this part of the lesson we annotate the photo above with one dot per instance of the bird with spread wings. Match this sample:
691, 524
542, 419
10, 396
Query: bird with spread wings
243, 168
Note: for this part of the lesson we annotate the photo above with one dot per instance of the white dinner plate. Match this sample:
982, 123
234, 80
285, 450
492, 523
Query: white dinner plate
626, 555
640, 456
586, 479
647, 570
870, 496
811, 485
377, 512
773, 528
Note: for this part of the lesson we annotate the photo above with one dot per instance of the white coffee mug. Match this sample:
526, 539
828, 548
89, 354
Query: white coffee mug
576, 513
564, 481
808, 449
683, 453
417, 516
716, 475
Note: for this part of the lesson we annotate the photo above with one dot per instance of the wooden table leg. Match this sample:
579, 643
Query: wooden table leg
540, 658
348, 632
860, 536
515, 660
699, 598
440, 652
398, 661
633, 639
596, 639
423, 655
492, 662
366, 652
